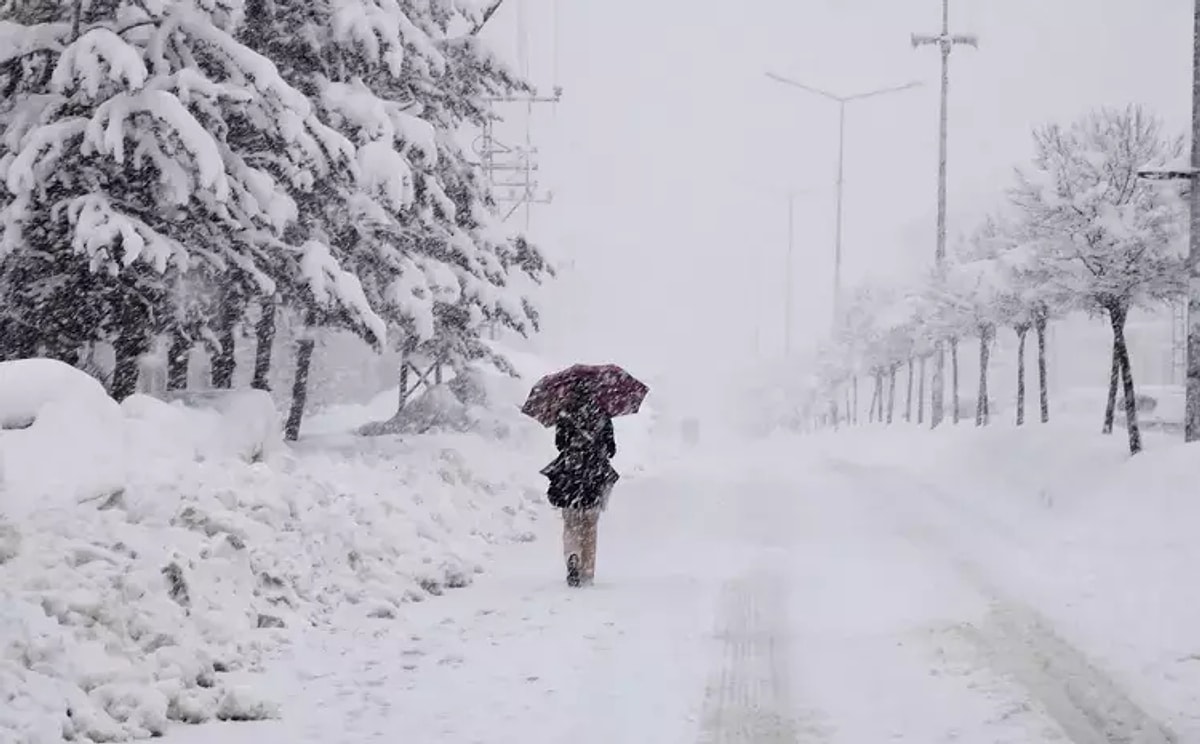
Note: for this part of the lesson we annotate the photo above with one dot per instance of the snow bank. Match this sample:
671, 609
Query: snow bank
61, 438
1062, 517
206, 425
160, 598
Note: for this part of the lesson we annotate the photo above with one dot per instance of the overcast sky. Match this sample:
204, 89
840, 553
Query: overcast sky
672, 154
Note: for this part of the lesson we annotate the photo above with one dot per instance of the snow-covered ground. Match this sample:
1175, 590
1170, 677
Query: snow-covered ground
152, 555
967, 585
881, 586
1101, 544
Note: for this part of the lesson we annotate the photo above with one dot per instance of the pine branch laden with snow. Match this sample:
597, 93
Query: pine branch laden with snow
160, 140
416, 223
332, 287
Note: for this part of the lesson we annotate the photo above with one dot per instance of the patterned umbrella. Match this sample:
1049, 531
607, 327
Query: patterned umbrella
614, 390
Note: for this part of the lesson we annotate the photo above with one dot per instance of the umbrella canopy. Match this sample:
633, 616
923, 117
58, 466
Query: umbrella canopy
614, 390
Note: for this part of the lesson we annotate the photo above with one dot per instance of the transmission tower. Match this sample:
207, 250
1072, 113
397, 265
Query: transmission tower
511, 169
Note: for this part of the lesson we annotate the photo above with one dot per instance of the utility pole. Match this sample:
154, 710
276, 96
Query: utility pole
510, 170
837, 240
520, 189
946, 42
1191, 417
788, 276
1191, 428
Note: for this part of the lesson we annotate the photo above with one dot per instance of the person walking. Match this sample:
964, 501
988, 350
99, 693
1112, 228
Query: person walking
580, 403
581, 479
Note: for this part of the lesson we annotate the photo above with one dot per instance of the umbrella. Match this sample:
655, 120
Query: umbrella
617, 392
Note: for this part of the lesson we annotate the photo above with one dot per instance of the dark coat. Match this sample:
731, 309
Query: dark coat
582, 474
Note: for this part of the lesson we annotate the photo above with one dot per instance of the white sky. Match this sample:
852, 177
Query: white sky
672, 153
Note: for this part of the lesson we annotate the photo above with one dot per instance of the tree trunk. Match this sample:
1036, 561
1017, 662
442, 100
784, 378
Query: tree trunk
954, 378
177, 361
264, 339
891, 408
879, 396
1122, 350
299, 388
908, 398
224, 360
874, 404
852, 411
937, 391
981, 403
921, 394
1043, 392
64, 352
127, 349
1022, 332
1114, 378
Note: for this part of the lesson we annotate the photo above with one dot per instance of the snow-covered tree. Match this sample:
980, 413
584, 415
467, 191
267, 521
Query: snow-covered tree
1114, 239
401, 80
147, 155
1031, 296
943, 317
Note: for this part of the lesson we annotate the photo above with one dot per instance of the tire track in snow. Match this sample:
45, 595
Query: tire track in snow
749, 696
1015, 639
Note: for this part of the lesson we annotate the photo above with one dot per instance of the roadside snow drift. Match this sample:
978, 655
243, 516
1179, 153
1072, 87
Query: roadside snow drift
60, 437
153, 554
1062, 517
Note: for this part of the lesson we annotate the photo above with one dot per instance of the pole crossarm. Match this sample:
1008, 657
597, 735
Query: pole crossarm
1169, 174
843, 99
947, 40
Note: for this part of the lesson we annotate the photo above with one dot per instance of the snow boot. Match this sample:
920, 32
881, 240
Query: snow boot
573, 578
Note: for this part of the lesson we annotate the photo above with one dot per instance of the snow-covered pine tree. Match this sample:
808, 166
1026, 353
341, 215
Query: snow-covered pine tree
147, 153
1116, 238
401, 80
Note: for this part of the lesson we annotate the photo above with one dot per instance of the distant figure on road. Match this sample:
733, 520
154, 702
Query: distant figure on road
581, 479
691, 432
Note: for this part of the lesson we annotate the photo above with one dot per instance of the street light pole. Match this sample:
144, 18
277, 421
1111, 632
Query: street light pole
837, 241
841, 101
789, 275
946, 42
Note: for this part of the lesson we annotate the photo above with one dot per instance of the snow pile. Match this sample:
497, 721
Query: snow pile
124, 608
60, 437
206, 425
1064, 519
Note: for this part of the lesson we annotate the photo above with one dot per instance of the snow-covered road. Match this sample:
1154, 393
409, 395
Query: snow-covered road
821, 602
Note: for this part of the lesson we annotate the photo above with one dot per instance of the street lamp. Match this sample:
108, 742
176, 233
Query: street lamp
841, 101
788, 272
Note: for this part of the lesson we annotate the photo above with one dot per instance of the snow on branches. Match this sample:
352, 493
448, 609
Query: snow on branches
194, 159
